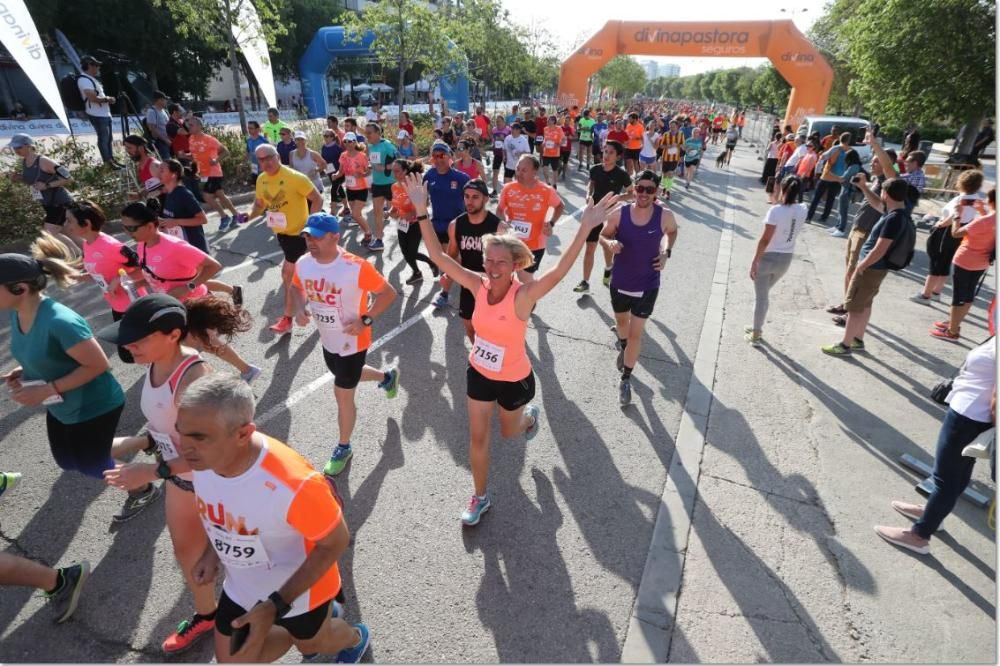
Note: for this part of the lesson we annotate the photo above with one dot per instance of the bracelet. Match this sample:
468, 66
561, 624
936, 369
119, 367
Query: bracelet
55, 389
422, 217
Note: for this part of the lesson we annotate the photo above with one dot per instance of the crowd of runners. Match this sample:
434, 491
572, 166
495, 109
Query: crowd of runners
243, 505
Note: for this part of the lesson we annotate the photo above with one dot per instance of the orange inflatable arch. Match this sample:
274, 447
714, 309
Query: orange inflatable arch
795, 58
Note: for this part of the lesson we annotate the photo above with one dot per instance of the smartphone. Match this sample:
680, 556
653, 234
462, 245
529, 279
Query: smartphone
238, 638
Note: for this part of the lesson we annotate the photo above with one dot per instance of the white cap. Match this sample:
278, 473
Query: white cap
403, 134
350, 136
299, 135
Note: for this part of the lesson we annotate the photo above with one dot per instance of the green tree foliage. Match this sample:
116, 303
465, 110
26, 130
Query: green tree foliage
705, 85
623, 75
771, 88
724, 85
303, 18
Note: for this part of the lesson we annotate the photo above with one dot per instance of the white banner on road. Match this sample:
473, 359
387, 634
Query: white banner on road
21, 39
248, 36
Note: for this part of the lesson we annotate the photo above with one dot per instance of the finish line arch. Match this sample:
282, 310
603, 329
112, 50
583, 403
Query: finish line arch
794, 56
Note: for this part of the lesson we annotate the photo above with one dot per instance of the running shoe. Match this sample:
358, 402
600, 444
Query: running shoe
441, 301
836, 350
837, 233
8, 481
625, 392
944, 334
338, 461
416, 278
187, 634
904, 538
237, 295
606, 280
477, 507
534, 413
754, 340
354, 654
65, 599
494, 194
858, 345
920, 298
336, 610
252, 373
242, 218
135, 504
391, 384
943, 325
582, 288
225, 223
376, 246
282, 326
366, 240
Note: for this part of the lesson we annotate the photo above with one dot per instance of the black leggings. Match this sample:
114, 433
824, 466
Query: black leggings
84, 447
409, 244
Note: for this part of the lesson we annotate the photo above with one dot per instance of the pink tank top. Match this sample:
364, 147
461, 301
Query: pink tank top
499, 352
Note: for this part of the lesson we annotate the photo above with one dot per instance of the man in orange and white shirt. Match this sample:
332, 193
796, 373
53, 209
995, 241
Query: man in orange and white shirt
524, 206
633, 146
337, 288
274, 526
552, 141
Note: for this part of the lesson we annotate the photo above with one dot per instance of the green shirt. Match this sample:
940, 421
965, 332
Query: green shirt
586, 128
380, 156
41, 352
273, 130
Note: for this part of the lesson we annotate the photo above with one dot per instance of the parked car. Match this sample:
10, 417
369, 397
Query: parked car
856, 126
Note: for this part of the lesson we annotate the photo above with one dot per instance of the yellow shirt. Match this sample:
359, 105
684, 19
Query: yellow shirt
286, 196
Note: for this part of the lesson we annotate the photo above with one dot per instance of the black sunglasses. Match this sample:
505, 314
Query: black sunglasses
133, 228
645, 189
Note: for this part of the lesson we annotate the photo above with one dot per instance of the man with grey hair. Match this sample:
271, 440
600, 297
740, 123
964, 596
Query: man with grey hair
274, 526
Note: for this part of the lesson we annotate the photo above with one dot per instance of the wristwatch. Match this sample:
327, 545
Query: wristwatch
668, 253
422, 217
281, 607
192, 286
366, 320
163, 470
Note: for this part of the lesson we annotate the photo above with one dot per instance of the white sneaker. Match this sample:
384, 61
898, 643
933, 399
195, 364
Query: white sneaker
920, 298
839, 234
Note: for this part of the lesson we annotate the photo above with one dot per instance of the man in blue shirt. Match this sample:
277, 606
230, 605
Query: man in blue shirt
444, 185
255, 140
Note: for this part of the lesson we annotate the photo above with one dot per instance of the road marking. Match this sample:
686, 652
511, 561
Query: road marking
320, 382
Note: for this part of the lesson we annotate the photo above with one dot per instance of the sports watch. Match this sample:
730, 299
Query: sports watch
163, 470
668, 253
366, 320
281, 607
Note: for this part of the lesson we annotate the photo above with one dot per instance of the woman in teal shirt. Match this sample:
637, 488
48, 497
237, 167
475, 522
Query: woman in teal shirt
61, 364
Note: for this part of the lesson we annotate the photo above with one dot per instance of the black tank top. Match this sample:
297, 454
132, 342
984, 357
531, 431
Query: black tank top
469, 237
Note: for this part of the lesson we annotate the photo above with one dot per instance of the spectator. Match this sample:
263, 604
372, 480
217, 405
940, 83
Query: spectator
985, 137
98, 108
833, 164
21, 114
847, 190
827, 141
156, 121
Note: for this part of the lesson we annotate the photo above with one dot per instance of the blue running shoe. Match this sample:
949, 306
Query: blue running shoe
441, 301
534, 413
353, 655
391, 384
477, 507
338, 461
225, 223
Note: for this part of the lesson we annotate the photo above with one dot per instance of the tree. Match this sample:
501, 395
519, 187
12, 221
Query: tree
213, 22
744, 87
724, 85
824, 34
771, 88
691, 88
623, 75
407, 33
303, 18
919, 62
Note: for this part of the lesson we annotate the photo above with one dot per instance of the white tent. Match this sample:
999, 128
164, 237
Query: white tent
381, 87
418, 86
364, 87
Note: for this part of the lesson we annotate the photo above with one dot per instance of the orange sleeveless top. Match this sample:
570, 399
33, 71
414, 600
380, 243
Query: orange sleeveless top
499, 352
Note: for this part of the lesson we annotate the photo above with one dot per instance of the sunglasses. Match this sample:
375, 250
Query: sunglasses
645, 189
132, 228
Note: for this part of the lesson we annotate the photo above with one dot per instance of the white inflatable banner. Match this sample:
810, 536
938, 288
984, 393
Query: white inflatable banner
21, 39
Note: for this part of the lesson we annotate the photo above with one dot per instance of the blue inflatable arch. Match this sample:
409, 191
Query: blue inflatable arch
329, 44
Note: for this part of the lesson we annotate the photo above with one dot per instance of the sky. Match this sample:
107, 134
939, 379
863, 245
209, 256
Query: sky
571, 25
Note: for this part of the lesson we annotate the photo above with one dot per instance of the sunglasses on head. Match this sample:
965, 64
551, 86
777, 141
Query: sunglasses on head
645, 189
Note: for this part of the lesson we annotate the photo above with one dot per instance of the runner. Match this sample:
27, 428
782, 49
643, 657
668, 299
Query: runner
406, 216
604, 178
307, 161
288, 197
499, 132
718, 120
152, 329
355, 169
465, 243
565, 148
732, 136
405, 125
585, 129
692, 150
633, 144
330, 151
552, 141
618, 133
343, 294
600, 136
406, 147
181, 215
499, 370
272, 128
514, 146
444, 186
465, 163
147, 169
381, 154
280, 558
671, 144
255, 139
208, 152
524, 205
635, 234
47, 180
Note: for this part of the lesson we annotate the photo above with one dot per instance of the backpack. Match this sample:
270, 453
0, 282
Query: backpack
69, 92
901, 251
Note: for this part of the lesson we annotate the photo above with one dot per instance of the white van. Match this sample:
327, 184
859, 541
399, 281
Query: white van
856, 126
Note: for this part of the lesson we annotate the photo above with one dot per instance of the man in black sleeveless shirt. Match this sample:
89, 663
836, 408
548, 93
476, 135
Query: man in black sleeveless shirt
465, 241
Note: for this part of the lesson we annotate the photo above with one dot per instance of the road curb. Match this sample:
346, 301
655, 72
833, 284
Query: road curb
650, 628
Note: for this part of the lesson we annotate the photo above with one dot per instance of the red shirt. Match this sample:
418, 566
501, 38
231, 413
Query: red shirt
482, 122
405, 126
621, 136
567, 145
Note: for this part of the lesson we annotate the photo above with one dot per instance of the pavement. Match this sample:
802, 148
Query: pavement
725, 516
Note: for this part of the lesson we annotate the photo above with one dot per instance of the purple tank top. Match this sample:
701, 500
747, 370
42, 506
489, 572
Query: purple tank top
633, 267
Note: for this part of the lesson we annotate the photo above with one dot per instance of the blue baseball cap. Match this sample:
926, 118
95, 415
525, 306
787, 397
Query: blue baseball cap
319, 224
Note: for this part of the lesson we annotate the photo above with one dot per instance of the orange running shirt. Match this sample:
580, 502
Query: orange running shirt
635, 133
553, 140
526, 209
354, 170
204, 149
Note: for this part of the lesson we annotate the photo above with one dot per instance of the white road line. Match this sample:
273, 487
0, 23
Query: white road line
320, 382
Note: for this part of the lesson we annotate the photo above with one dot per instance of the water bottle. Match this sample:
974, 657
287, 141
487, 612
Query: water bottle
128, 285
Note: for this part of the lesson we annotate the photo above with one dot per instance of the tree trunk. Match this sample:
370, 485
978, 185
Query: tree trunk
972, 124
234, 65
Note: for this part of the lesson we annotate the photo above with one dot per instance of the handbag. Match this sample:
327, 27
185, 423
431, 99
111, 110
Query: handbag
939, 393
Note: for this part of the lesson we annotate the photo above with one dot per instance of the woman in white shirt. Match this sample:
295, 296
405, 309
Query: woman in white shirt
774, 252
971, 412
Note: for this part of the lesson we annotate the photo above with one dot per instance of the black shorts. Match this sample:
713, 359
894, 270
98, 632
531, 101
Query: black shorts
497, 160
669, 166
212, 185
585, 143
639, 306
55, 215
357, 195
730, 146
509, 395
384, 191
963, 285
346, 370
595, 234
538, 254
293, 246
507, 173
692, 164
302, 627
466, 304
336, 188
551, 162
565, 158
632, 154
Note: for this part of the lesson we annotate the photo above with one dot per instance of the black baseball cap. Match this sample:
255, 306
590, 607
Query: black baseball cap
149, 314
478, 185
16, 268
88, 59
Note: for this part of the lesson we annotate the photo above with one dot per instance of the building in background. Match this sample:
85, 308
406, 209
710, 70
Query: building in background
670, 69
652, 69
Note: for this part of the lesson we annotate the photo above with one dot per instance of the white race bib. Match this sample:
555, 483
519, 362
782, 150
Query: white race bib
550, 144
204, 179
350, 182
100, 282
330, 168
165, 444
36, 195
327, 317
276, 220
673, 150
521, 229
375, 158
254, 169
487, 355
498, 145
151, 184
402, 226
242, 551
